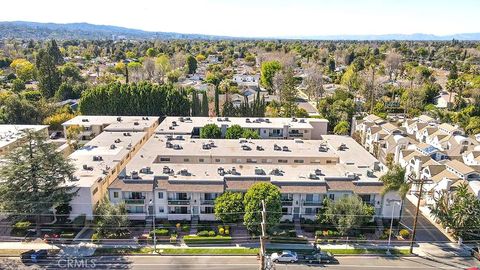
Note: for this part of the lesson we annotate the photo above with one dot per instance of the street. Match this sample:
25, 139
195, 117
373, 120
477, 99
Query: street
234, 262
426, 231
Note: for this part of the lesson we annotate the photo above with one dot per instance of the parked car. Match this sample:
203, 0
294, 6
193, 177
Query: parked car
475, 253
285, 256
320, 257
34, 256
56, 135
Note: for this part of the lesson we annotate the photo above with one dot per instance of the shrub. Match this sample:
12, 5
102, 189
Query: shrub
227, 227
95, 238
178, 226
227, 232
219, 228
404, 233
185, 228
160, 232
211, 233
202, 233
221, 231
22, 225
67, 235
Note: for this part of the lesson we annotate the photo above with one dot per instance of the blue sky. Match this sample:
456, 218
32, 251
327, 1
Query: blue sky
259, 18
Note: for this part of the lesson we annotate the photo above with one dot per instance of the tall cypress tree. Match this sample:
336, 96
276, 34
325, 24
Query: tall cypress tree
204, 104
49, 78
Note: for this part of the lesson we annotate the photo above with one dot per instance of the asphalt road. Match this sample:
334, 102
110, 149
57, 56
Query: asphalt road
236, 263
426, 231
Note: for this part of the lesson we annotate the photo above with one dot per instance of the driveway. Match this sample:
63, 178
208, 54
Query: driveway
426, 231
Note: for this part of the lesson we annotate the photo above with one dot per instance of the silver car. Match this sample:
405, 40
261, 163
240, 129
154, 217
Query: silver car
285, 256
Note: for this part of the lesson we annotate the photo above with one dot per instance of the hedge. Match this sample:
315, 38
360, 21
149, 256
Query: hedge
160, 232
277, 239
193, 239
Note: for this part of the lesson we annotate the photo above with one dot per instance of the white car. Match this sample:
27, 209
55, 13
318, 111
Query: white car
285, 256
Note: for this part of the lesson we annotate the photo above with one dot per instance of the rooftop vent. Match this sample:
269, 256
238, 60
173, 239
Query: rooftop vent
298, 141
119, 119
171, 128
87, 168
188, 119
117, 141
267, 120
136, 123
294, 119
259, 171
259, 148
174, 123
301, 121
179, 138
206, 146
219, 119
126, 134
84, 120
342, 147
247, 120
313, 176
112, 147
322, 148
167, 170
221, 171
184, 172
180, 119
97, 158
276, 147
146, 170
169, 137
168, 144
243, 140
318, 172
226, 119
135, 175
285, 148
246, 147
276, 172
233, 171
370, 173
177, 147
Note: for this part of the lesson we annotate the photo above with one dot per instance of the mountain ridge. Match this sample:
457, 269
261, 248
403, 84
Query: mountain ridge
83, 30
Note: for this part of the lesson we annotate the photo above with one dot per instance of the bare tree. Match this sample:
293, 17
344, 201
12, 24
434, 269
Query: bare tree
393, 62
314, 82
149, 67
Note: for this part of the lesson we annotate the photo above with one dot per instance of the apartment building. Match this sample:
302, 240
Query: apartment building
177, 177
93, 125
12, 135
267, 128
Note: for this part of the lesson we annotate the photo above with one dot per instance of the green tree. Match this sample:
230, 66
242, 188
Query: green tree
347, 213
351, 79
54, 52
234, 132
341, 128
48, 76
196, 106
210, 131
253, 206
394, 180
215, 78
18, 85
191, 64
288, 93
229, 207
35, 179
151, 52
24, 69
267, 72
473, 126
71, 73
204, 104
250, 134
111, 221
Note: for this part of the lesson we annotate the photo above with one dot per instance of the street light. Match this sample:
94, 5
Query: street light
391, 224
153, 225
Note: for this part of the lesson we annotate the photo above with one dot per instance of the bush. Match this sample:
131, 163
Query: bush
95, 238
404, 233
67, 235
193, 239
211, 233
22, 225
221, 231
185, 228
202, 233
227, 232
160, 232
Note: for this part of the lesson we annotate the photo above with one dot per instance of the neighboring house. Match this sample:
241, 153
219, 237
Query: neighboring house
444, 100
13, 135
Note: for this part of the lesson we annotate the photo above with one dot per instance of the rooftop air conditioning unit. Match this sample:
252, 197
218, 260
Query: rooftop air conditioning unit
323, 148
112, 147
84, 120
221, 171
168, 144
259, 148
267, 120
302, 121
179, 138
180, 119
313, 176
246, 147
177, 147
277, 148
285, 148
206, 146
135, 175
136, 123
259, 171
166, 170
119, 119
318, 172
247, 120
370, 173
294, 119
174, 123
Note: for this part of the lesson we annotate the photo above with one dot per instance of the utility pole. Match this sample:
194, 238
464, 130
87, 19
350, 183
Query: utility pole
263, 236
416, 213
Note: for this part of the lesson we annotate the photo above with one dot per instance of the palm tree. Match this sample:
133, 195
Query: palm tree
394, 180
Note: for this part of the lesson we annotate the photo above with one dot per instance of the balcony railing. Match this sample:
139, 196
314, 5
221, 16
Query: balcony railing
208, 202
312, 203
287, 203
179, 202
295, 135
134, 201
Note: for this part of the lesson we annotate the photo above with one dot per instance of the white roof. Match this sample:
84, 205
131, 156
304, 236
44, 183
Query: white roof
89, 120
11, 133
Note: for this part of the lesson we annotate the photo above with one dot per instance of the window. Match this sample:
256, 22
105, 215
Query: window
161, 209
298, 161
282, 161
285, 211
329, 161
331, 197
208, 210
201, 160
115, 194
308, 211
309, 197
249, 160
264, 161
164, 159
186, 160
160, 195
217, 160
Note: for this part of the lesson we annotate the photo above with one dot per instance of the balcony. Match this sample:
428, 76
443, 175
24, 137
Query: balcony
134, 201
295, 135
287, 203
312, 203
208, 202
178, 202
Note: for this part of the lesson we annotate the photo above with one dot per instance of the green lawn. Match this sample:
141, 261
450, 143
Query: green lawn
178, 251
367, 251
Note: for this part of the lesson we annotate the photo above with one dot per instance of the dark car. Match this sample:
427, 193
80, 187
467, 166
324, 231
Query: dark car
27, 256
56, 135
320, 257
475, 253
39, 255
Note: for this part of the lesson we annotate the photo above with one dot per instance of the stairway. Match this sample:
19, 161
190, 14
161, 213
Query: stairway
194, 225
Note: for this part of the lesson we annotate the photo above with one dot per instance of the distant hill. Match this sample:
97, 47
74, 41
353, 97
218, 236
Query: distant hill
34, 30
